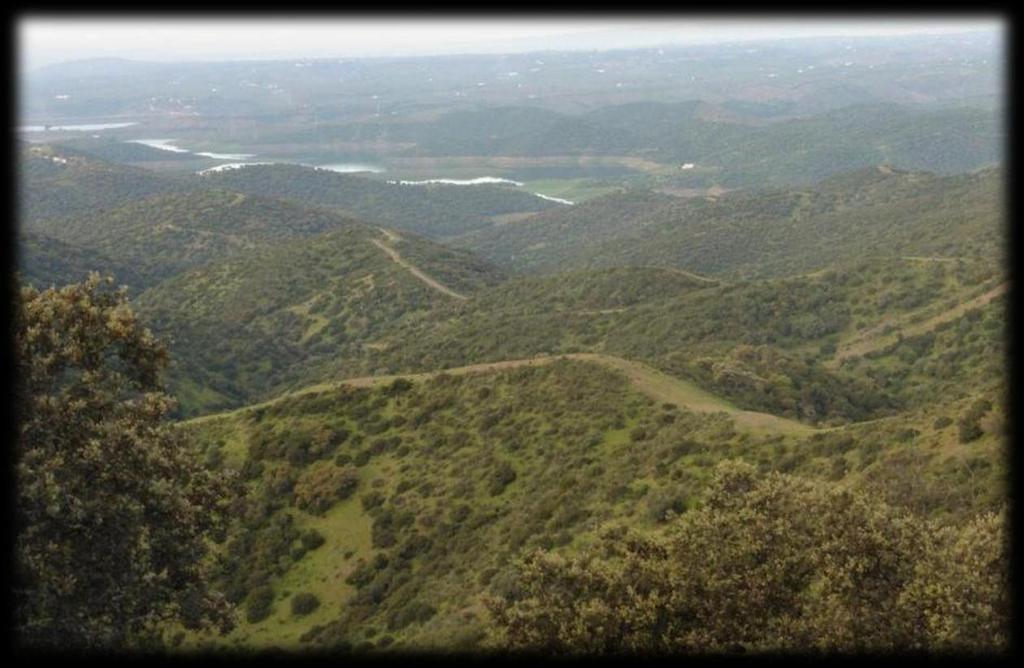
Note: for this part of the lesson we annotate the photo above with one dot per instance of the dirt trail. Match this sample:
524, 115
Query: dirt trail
412, 269
392, 236
872, 339
690, 274
655, 384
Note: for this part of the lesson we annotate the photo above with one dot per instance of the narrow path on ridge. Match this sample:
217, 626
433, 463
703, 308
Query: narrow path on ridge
649, 381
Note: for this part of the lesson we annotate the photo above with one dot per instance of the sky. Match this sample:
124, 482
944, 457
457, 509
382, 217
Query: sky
44, 40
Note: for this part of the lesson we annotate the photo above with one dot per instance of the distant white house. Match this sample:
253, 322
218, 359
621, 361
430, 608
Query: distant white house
686, 165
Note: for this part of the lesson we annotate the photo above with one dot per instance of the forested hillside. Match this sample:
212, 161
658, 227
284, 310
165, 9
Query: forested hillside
681, 349
877, 211
45, 262
162, 235
248, 327
396, 510
730, 154
54, 183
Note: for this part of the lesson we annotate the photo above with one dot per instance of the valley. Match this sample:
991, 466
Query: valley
683, 349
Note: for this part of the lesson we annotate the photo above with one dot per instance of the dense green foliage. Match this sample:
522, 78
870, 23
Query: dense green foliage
55, 183
114, 511
747, 394
163, 235
461, 475
46, 262
247, 327
873, 212
768, 564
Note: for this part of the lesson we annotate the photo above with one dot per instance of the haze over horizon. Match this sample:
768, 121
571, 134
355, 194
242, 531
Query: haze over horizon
46, 41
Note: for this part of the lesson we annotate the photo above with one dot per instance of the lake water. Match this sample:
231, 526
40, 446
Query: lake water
461, 182
350, 167
231, 165
226, 156
166, 145
162, 144
343, 168
555, 199
479, 181
87, 127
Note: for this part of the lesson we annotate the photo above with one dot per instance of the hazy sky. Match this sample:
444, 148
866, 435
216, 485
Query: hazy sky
45, 39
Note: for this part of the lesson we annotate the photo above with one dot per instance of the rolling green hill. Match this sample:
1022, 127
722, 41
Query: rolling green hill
254, 324
162, 235
748, 234
399, 507
725, 152
61, 182
44, 262
768, 345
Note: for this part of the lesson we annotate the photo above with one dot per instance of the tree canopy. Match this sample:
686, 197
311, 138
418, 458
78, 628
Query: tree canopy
767, 564
115, 512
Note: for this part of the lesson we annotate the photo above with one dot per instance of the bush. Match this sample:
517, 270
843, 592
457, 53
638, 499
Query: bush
320, 488
398, 386
415, 612
312, 539
372, 500
834, 569
503, 475
304, 603
260, 604
969, 430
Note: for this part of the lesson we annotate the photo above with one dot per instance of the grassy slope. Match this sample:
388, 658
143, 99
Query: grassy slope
589, 451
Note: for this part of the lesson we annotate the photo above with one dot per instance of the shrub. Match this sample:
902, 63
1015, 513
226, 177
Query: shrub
260, 603
318, 489
251, 469
834, 569
312, 539
414, 612
372, 500
502, 476
969, 430
398, 386
304, 603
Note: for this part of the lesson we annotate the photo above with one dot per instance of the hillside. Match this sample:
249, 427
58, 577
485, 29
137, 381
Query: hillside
60, 182
434, 210
400, 506
768, 345
763, 233
254, 324
44, 262
162, 235
729, 154
599, 343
